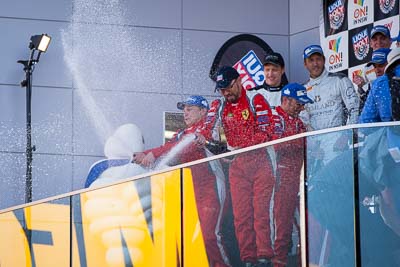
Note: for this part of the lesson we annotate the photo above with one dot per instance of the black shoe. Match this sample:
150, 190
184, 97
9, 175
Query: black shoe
264, 263
250, 264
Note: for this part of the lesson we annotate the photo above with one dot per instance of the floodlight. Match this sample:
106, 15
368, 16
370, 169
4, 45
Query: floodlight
40, 42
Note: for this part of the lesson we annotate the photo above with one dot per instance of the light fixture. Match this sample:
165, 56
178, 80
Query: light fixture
39, 44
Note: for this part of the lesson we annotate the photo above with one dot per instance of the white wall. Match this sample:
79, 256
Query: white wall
177, 41
304, 30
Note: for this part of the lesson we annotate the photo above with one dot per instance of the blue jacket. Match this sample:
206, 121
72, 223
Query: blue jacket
378, 106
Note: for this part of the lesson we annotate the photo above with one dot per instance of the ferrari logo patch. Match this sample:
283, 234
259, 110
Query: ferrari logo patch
245, 114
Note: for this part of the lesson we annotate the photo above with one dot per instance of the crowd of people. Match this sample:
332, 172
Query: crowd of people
263, 184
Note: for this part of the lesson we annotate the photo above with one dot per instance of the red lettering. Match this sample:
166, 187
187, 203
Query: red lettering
331, 59
360, 12
335, 58
248, 84
389, 25
240, 69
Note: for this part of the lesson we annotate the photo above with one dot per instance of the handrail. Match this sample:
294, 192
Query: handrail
207, 159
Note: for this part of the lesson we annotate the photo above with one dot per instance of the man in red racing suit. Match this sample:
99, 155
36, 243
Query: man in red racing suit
208, 200
245, 117
290, 160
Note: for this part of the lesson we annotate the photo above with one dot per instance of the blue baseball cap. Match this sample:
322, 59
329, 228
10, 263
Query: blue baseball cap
379, 56
312, 49
296, 91
225, 76
380, 29
193, 100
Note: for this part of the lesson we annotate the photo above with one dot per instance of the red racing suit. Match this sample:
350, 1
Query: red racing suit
209, 205
290, 160
246, 123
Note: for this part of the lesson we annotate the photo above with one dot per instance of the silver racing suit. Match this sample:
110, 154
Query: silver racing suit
335, 102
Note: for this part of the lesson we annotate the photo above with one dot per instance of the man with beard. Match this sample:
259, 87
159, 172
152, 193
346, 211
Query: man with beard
245, 118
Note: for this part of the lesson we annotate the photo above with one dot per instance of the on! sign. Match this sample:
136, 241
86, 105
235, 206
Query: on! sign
251, 70
335, 58
360, 13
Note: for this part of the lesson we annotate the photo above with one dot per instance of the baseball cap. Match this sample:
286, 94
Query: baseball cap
312, 49
379, 56
380, 29
193, 100
225, 76
275, 59
392, 57
296, 91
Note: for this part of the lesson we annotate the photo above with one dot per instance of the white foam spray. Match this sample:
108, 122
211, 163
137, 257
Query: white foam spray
98, 51
186, 140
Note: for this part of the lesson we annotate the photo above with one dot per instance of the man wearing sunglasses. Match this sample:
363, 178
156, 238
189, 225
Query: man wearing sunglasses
245, 118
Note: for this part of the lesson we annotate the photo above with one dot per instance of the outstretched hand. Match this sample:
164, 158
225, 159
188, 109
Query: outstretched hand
146, 160
138, 157
200, 140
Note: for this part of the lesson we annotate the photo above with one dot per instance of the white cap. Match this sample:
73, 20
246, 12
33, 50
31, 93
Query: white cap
392, 57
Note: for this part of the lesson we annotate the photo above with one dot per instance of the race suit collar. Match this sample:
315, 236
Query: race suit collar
273, 88
194, 126
314, 81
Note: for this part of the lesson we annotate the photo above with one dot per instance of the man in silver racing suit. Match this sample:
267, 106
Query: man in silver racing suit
335, 104
335, 101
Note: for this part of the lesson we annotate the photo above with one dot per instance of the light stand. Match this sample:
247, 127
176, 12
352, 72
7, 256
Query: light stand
39, 44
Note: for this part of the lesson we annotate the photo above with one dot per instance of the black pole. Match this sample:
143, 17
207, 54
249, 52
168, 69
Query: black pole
28, 68
29, 148
356, 192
